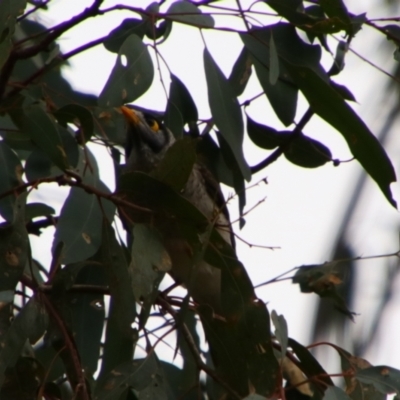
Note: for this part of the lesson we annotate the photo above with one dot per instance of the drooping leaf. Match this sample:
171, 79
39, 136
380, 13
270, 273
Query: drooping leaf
116, 267
10, 177
87, 313
307, 152
149, 258
241, 72
118, 347
188, 13
131, 76
338, 63
181, 108
273, 62
226, 111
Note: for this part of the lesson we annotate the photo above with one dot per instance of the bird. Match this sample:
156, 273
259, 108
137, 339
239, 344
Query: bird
147, 143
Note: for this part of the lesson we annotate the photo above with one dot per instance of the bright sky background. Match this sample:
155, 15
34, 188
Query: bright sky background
303, 207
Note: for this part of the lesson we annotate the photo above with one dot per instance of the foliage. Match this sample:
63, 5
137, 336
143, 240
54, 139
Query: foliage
52, 317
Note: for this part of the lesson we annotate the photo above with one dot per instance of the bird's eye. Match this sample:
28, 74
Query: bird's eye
153, 124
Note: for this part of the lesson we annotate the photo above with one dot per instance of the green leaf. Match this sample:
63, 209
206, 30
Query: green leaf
226, 111
385, 379
87, 313
335, 393
273, 62
187, 13
241, 72
119, 277
10, 177
131, 76
176, 166
149, 258
306, 152
181, 108
128, 27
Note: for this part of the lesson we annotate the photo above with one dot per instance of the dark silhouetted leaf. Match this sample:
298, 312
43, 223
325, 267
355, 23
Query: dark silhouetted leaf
264, 136
337, 10
131, 76
241, 72
306, 152
187, 13
181, 108
34, 210
343, 91
128, 27
338, 63
78, 115
226, 111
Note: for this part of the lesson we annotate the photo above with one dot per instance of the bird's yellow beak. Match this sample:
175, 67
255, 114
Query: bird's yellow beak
130, 115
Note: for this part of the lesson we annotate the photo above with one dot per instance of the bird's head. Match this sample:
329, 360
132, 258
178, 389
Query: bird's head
147, 140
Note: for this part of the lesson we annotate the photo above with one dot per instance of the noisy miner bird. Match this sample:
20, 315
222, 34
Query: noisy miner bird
148, 140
